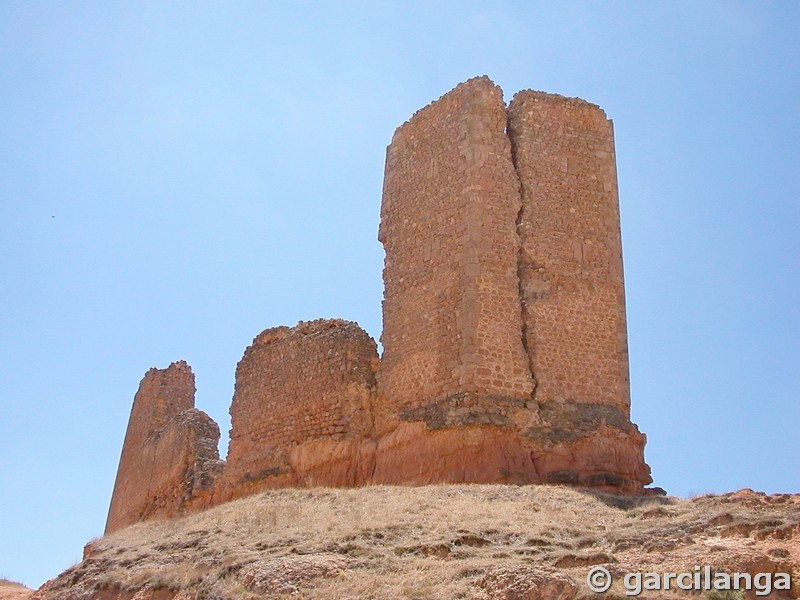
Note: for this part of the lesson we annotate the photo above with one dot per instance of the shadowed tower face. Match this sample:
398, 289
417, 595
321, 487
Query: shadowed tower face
570, 267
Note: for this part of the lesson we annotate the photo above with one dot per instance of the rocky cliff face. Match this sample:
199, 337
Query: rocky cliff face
505, 348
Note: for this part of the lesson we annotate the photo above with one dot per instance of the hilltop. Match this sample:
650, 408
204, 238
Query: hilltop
480, 542
11, 590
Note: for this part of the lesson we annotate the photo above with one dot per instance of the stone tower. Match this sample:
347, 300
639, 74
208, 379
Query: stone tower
452, 318
504, 311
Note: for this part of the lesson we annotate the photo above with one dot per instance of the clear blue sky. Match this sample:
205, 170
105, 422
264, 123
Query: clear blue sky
177, 176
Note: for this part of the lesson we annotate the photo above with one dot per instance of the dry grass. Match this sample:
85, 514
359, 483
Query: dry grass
11, 590
427, 542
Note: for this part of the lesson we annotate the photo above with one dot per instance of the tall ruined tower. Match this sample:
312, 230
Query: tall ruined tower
504, 311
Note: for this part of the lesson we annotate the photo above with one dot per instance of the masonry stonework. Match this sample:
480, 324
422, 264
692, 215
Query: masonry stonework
522, 304
504, 336
451, 312
571, 261
310, 386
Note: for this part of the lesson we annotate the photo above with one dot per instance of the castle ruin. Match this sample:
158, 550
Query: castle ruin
504, 335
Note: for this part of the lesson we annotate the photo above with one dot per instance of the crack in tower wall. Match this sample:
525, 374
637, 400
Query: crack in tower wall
520, 262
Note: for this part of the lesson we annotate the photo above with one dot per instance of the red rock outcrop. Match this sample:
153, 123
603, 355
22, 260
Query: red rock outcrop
170, 456
525, 583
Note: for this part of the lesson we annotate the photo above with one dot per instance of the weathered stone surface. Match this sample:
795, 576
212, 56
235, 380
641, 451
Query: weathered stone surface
504, 301
592, 445
572, 291
170, 456
571, 260
451, 312
288, 574
475, 454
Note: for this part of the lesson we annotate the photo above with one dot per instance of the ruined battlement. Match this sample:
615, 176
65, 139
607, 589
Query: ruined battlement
312, 382
504, 334
170, 456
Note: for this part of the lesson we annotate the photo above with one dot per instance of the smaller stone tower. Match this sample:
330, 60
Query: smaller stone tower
302, 406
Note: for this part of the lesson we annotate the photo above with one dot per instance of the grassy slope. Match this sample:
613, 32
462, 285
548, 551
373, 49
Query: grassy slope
11, 590
431, 542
